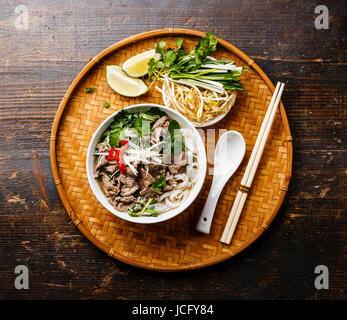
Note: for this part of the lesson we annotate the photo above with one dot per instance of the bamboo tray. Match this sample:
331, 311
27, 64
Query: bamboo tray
173, 245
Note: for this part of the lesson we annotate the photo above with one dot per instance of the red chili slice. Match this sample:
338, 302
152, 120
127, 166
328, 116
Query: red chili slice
111, 154
124, 145
118, 155
121, 164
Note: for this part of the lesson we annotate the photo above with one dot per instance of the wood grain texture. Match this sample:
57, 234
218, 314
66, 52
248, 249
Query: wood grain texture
37, 66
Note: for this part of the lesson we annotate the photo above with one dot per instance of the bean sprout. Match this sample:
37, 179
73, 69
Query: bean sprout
199, 105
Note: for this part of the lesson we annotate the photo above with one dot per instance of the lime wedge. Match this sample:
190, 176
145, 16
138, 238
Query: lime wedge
137, 66
123, 84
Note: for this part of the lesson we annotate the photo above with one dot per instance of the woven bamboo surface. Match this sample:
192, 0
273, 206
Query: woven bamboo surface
172, 245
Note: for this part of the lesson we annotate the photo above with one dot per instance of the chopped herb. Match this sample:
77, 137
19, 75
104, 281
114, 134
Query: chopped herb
114, 136
155, 112
153, 213
173, 125
136, 194
133, 214
138, 125
149, 117
177, 144
107, 105
179, 42
89, 90
145, 207
205, 47
120, 122
159, 184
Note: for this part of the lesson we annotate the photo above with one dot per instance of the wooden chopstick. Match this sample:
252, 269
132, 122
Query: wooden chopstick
252, 165
251, 161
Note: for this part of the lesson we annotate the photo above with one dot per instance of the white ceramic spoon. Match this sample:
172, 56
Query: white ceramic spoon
230, 150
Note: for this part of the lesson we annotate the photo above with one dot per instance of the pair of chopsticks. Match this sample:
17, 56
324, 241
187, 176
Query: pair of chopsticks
252, 165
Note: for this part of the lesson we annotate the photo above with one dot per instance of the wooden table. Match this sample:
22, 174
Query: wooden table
39, 63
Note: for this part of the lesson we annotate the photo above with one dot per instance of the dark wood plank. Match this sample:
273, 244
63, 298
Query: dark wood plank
37, 67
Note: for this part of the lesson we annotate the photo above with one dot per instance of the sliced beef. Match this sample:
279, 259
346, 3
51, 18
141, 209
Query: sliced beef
180, 162
170, 182
127, 180
145, 180
130, 173
121, 203
163, 122
111, 168
128, 184
155, 136
158, 135
101, 162
128, 199
127, 191
156, 170
151, 193
110, 187
102, 148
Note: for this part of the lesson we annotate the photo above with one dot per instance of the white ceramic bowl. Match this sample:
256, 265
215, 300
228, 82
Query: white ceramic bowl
166, 215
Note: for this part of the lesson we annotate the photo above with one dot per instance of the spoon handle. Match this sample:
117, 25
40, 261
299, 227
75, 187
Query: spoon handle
204, 223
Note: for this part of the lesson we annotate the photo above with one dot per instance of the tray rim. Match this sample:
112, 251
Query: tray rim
53, 159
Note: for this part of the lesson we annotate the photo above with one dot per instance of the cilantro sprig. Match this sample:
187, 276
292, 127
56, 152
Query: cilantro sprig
178, 59
159, 184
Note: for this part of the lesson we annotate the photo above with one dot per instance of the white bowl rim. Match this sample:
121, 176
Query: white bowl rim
97, 191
